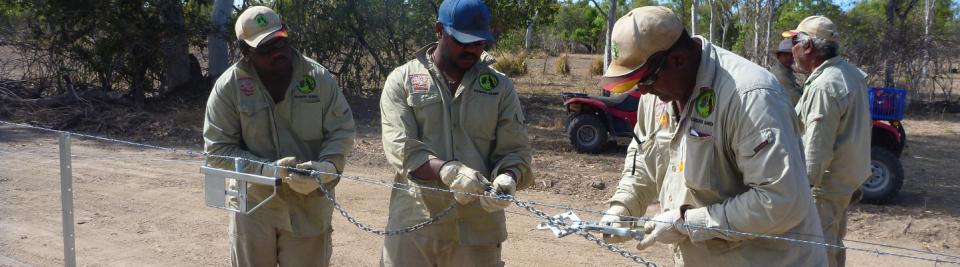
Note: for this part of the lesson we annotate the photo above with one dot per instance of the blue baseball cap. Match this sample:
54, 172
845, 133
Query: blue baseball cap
467, 21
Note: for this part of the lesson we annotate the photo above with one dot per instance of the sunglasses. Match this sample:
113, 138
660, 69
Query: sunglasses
275, 44
652, 78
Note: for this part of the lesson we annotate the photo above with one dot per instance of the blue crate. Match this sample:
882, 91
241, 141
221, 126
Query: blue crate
887, 104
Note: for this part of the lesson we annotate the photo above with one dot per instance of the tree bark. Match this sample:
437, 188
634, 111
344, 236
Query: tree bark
607, 48
218, 49
176, 57
693, 17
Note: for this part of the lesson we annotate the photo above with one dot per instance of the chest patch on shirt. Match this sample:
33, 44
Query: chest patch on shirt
705, 103
306, 84
488, 81
420, 83
246, 86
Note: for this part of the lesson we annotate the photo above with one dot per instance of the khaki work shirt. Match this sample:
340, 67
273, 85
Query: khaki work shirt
835, 112
788, 81
734, 155
481, 125
312, 123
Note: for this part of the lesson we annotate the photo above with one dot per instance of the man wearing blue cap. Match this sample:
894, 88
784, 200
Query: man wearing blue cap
452, 122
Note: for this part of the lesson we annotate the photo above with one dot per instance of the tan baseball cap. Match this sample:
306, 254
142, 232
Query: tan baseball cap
816, 26
636, 36
259, 24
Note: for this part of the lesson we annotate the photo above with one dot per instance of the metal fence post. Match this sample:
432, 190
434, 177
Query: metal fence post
66, 202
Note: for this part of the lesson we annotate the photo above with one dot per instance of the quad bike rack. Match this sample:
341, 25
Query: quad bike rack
216, 189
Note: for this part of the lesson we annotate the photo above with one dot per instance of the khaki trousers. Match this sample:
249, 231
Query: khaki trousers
415, 250
257, 245
833, 220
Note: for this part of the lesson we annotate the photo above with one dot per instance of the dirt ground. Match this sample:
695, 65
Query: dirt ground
144, 207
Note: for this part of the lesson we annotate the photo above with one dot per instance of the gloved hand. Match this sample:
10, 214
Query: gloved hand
502, 184
278, 168
664, 228
461, 178
303, 183
613, 217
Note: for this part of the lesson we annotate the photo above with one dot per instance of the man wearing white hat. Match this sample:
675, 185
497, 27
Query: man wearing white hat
835, 114
279, 106
783, 70
718, 146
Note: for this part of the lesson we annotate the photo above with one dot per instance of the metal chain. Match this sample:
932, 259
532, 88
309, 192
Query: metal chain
369, 229
554, 222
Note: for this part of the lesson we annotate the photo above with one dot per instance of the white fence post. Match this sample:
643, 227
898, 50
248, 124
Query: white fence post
66, 202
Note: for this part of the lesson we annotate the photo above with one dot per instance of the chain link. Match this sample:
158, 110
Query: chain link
369, 229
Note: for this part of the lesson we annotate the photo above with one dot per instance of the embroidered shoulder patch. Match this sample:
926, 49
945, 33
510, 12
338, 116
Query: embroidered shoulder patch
246, 86
488, 81
420, 82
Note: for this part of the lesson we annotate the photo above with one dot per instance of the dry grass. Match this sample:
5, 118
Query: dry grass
511, 64
596, 67
562, 65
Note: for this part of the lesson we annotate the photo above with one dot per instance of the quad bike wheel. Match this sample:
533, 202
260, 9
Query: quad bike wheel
886, 177
587, 133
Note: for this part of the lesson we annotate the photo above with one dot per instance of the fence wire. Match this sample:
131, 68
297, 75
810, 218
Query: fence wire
937, 257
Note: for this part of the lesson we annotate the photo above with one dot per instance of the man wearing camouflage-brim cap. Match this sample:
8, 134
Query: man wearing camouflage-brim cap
835, 114
717, 145
450, 121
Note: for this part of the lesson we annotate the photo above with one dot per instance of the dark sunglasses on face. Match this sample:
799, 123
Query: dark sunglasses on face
652, 78
271, 46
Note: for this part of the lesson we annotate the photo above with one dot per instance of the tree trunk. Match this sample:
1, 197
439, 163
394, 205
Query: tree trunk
766, 39
888, 42
607, 48
756, 29
529, 35
693, 17
175, 49
218, 49
928, 6
710, 29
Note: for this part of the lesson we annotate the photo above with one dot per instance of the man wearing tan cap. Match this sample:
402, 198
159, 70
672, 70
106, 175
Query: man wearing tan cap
783, 70
835, 115
450, 121
279, 106
717, 145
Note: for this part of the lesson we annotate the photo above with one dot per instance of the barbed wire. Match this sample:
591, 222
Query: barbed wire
525, 203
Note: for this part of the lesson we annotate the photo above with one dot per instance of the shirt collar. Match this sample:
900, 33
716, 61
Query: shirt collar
819, 70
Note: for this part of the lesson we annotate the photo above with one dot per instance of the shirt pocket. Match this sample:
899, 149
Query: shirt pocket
254, 120
482, 117
696, 161
308, 119
425, 106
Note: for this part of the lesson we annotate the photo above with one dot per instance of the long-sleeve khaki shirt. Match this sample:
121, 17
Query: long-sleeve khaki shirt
835, 113
312, 123
481, 125
788, 80
734, 155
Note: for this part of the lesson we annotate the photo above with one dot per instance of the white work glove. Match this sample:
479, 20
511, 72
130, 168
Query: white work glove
664, 228
461, 178
278, 168
303, 183
503, 184
614, 218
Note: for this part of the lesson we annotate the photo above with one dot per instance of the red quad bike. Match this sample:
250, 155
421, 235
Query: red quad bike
594, 118
887, 142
